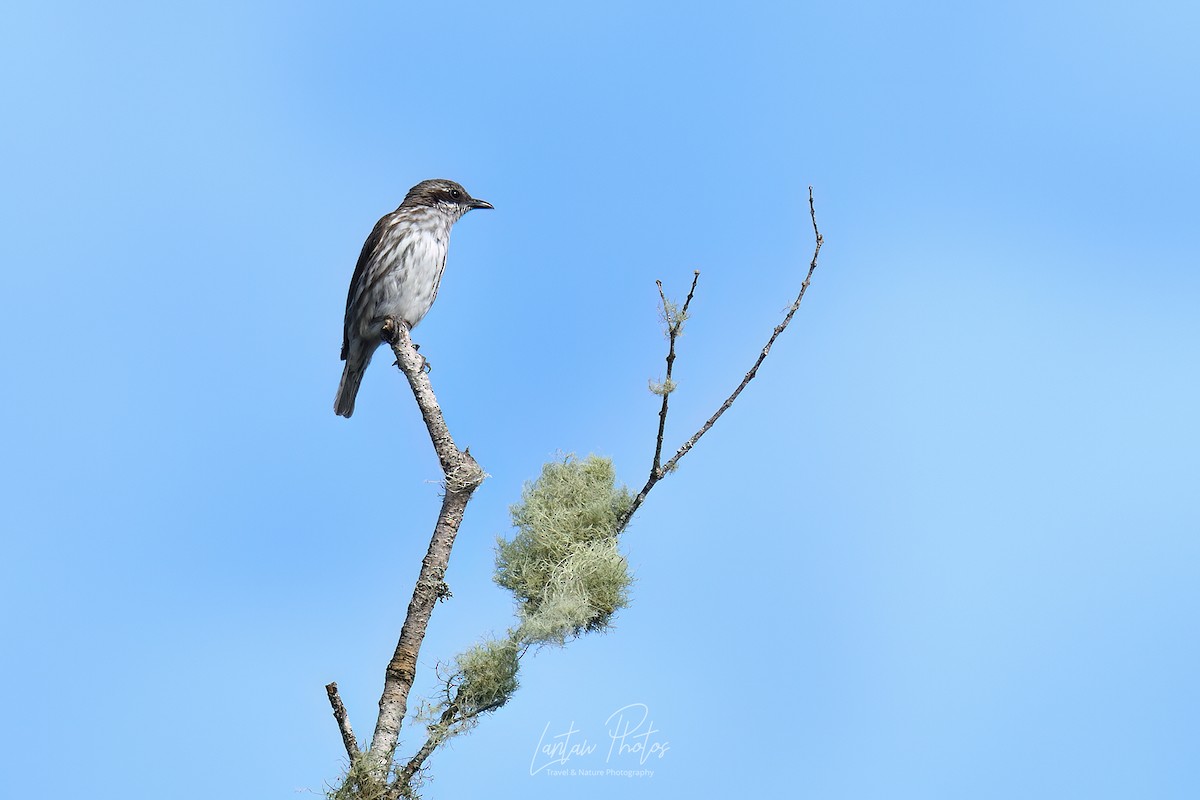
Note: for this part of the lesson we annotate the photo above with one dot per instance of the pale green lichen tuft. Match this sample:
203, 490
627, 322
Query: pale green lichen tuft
359, 782
664, 388
672, 317
487, 675
563, 565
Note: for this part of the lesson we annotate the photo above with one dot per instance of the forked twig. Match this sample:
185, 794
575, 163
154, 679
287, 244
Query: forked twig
657, 472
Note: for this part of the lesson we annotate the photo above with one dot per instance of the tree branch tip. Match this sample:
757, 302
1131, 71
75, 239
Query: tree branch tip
343, 721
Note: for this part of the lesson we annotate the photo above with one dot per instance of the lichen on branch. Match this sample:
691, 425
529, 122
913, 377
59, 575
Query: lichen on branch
563, 565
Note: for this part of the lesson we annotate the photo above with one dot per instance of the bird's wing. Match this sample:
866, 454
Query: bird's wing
364, 258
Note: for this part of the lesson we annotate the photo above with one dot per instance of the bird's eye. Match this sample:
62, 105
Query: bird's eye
455, 193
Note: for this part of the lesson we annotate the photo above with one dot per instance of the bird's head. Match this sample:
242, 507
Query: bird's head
443, 195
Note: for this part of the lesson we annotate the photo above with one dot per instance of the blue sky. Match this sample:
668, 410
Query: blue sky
945, 545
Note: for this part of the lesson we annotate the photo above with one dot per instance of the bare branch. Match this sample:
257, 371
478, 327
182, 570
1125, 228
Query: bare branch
343, 721
462, 476
691, 292
674, 326
657, 474
412, 364
690, 443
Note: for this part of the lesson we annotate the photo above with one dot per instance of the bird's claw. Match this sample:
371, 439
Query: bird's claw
388, 331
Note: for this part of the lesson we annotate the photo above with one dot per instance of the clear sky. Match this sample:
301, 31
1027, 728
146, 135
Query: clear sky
945, 546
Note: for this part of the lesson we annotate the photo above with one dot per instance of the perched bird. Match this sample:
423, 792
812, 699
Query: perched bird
398, 273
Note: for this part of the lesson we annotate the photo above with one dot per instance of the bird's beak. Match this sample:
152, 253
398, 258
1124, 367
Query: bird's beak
481, 204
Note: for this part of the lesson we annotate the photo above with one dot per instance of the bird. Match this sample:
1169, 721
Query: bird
398, 273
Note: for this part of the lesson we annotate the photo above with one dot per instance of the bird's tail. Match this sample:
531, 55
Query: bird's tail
352, 375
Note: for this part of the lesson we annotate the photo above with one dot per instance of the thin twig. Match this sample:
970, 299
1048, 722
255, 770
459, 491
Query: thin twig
343, 721
404, 778
687, 302
402, 784
657, 474
690, 443
674, 326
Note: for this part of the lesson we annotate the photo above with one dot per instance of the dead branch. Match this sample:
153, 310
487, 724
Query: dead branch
462, 476
657, 472
343, 721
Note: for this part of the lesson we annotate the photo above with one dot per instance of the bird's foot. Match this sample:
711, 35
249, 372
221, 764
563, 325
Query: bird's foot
426, 367
390, 332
